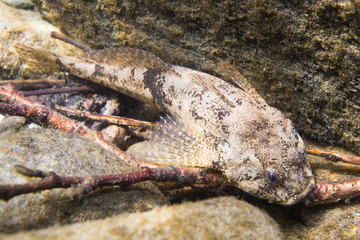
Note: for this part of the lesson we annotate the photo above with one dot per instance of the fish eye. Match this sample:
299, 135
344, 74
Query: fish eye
273, 178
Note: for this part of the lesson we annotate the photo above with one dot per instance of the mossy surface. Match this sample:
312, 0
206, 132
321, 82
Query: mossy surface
302, 56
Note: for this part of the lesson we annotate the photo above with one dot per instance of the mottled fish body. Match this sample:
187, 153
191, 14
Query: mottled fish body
211, 123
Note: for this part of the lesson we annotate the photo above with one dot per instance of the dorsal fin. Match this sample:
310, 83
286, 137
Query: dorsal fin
127, 56
208, 83
173, 144
230, 74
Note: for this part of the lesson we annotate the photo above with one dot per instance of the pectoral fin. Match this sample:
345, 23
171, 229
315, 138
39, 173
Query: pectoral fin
173, 144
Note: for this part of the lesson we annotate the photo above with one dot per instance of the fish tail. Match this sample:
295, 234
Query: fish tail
37, 59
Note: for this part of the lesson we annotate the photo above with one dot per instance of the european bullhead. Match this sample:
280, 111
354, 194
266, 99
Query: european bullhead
209, 122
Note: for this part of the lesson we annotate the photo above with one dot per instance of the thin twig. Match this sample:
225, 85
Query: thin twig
63, 38
57, 90
333, 156
34, 83
109, 119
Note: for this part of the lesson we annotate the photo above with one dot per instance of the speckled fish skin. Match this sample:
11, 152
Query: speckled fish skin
221, 126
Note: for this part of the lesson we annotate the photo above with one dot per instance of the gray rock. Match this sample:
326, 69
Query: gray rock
67, 155
11, 122
218, 218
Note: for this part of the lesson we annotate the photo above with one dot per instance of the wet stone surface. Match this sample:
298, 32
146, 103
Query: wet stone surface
50, 150
221, 218
217, 218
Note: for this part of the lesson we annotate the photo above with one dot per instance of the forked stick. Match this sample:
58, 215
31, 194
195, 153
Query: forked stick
51, 180
21, 106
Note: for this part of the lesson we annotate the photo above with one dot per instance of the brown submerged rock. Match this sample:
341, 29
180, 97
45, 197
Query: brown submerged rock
302, 56
50, 150
217, 218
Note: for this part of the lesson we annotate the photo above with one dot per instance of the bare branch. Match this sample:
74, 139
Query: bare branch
187, 175
22, 106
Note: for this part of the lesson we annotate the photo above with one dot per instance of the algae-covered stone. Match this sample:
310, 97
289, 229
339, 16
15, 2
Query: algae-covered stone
218, 218
302, 56
26, 27
68, 155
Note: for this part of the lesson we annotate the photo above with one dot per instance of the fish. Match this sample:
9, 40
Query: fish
208, 122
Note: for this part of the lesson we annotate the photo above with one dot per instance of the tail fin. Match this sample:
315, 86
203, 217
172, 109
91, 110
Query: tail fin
37, 59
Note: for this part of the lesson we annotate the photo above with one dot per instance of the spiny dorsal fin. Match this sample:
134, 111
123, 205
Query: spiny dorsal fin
37, 59
172, 144
230, 74
127, 56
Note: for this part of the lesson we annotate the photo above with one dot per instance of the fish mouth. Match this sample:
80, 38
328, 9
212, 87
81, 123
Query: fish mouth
296, 198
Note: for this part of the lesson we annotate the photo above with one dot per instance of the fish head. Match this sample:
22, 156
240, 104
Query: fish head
272, 167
